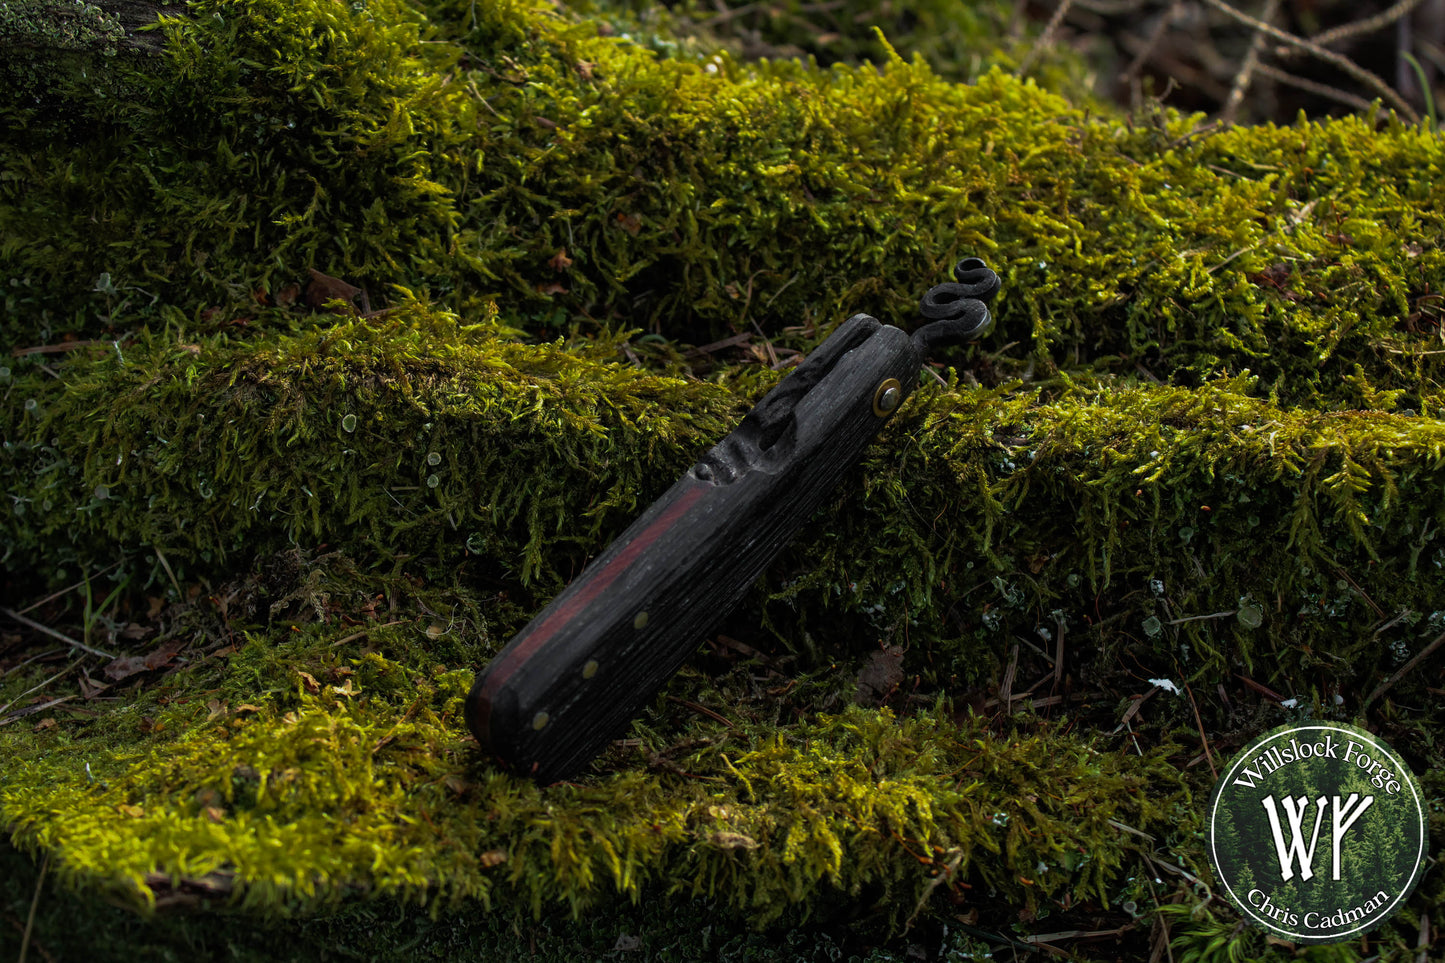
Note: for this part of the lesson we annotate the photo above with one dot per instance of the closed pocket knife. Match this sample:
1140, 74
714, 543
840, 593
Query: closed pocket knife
569, 682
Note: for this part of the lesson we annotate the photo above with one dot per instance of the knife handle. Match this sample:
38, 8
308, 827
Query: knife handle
568, 683
594, 657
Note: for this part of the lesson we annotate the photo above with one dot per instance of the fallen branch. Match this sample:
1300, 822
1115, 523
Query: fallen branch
1373, 81
1420, 656
47, 630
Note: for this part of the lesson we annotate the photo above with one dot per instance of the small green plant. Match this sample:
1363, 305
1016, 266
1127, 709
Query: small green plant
95, 614
1426, 91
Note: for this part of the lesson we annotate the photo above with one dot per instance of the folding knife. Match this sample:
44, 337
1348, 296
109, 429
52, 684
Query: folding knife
589, 662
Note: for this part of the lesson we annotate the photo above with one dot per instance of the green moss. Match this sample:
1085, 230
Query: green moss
68, 927
958, 40
456, 442
317, 776
368, 789
79, 26
988, 512
1207, 444
461, 152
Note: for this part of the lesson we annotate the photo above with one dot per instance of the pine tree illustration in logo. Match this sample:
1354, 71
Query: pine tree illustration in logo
1317, 831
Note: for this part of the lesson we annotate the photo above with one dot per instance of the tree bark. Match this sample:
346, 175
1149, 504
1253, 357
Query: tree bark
64, 63
38, 29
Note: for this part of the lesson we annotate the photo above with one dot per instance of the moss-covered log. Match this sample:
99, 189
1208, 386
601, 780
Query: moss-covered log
58, 54
105, 28
385, 146
340, 343
987, 512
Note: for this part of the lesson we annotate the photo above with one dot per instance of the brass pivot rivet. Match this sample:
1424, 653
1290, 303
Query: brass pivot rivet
540, 720
640, 621
886, 397
590, 669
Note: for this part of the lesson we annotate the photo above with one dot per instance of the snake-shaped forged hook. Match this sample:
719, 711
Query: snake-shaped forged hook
956, 309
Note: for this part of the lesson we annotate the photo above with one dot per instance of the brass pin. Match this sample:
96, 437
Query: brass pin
886, 397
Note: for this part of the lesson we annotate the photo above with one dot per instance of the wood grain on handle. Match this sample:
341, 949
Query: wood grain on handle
599, 652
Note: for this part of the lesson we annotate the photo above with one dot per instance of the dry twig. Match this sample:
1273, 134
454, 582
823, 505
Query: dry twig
1046, 39
1371, 80
1245, 75
34, 903
1318, 89
1399, 674
1368, 25
60, 636
1161, 27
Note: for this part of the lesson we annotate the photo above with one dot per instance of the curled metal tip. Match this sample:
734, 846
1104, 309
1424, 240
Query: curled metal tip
956, 309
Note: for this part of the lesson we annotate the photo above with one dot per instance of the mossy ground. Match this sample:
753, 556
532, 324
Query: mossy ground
1205, 444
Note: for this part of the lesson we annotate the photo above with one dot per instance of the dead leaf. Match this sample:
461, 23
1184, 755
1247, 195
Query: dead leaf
134, 631
215, 814
247, 707
309, 681
882, 673
45, 723
164, 654
31, 710
551, 288
492, 857
324, 288
135, 812
154, 605
560, 261
629, 223
727, 840
125, 667
344, 689
89, 688
584, 69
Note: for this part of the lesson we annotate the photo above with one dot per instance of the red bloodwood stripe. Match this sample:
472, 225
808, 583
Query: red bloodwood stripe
594, 586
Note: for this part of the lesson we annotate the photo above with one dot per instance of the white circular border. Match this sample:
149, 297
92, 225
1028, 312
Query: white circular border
1246, 755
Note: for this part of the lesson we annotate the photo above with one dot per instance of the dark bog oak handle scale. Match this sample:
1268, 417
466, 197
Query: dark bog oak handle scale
599, 652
